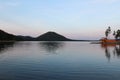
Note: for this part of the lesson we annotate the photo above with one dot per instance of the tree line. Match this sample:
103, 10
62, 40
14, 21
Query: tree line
116, 33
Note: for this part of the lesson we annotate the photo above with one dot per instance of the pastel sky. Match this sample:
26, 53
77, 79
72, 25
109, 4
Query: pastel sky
77, 19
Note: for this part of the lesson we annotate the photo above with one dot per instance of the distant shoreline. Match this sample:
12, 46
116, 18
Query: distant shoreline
48, 36
57, 41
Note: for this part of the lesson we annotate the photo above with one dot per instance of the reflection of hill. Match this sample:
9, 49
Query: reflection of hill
5, 45
51, 46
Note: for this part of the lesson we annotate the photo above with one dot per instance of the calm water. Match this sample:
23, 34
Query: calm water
59, 61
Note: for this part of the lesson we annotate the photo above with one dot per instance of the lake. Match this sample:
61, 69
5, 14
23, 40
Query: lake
59, 61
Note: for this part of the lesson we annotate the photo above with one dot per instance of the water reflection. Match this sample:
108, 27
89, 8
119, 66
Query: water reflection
51, 46
77, 61
5, 46
115, 50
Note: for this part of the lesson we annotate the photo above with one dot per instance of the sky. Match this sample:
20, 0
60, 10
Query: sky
76, 19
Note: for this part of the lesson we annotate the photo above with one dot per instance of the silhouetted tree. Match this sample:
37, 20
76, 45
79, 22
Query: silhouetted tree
108, 31
117, 34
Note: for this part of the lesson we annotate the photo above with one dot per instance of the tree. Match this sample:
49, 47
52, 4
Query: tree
117, 36
108, 31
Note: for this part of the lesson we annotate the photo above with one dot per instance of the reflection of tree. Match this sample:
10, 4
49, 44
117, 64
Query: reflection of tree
51, 46
5, 45
107, 53
116, 51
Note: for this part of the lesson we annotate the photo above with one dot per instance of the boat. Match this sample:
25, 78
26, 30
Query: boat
106, 40
109, 41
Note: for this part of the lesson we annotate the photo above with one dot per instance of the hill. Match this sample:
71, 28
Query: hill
52, 36
49, 36
4, 36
